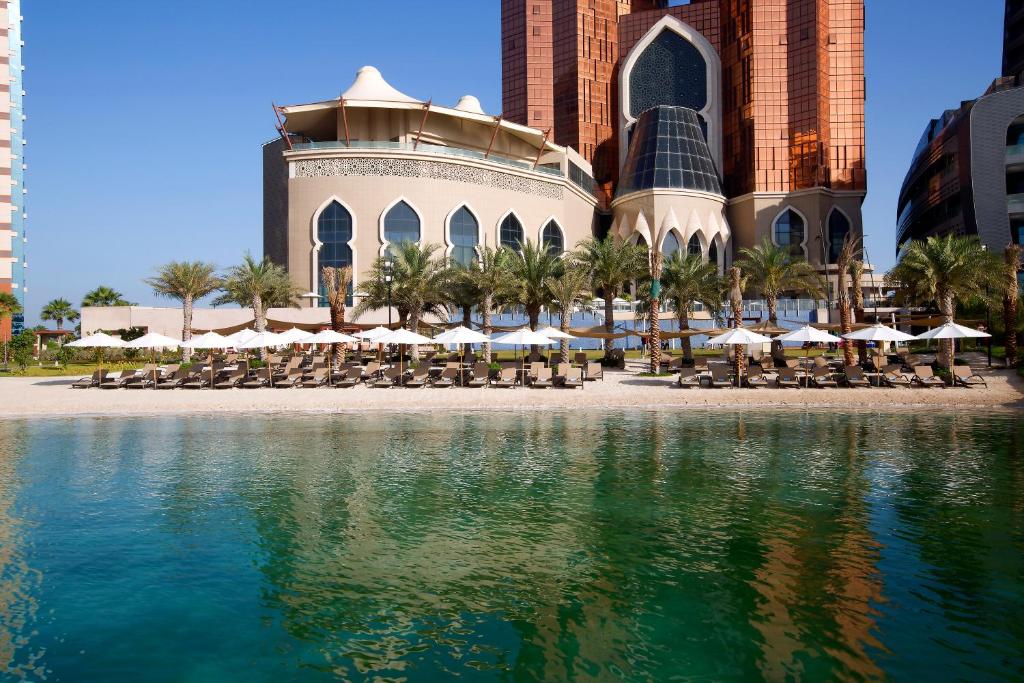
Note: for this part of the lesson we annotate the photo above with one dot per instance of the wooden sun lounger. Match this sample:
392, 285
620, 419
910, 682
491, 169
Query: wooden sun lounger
573, 378
542, 380
318, 379
481, 375
822, 378
389, 379
93, 380
171, 380
787, 379
118, 382
966, 377
595, 371
352, 377
893, 376
755, 377
293, 379
507, 380
688, 377
924, 376
855, 377
446, 378
230, 380
720, 377
420, 376
258, 381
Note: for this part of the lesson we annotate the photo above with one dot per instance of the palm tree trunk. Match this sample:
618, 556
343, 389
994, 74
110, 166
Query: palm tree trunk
563, 346
609, 318
857, 273
534, 316
736, 301
467, 316
655, 338
773, 318
486, 315
948, 307
186, 329
845, 321
260, 320
414, 326
684, 324
337, 311
1010, 297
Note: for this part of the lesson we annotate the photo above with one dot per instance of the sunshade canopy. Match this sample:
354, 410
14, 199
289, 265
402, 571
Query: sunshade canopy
403, 336
555, 333
953, 331
98, 340
153, 340
461, 335
293, 336
328, 337
241, 336
262, 340
524, 336
879, 333
739, 335
809, 334
210, 340
372, 335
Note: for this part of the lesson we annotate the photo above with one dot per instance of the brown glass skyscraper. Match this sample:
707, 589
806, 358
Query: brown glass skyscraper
778, 86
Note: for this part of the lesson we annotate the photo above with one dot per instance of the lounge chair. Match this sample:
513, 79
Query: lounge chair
820, 362
371, 371
171, 380
893, 376
481, 375
532, 373
594, 371
143, 379
787, 379
389, 379
350, 378
258, 381
293, 379
318, 379
720, 376
94, 380
197, 378
542, 380
755, 377
767, 363
966, 377
446, 378
924, 376
822, 377
580, 358
560, 372
118, 382
420, 376
507, 379
229, 380
573, 378
688, 377
854, 377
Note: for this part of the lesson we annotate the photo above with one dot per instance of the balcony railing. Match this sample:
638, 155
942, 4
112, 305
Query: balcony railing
1015, 155
424, 148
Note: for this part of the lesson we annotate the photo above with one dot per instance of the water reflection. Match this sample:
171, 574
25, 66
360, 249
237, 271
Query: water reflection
538, 546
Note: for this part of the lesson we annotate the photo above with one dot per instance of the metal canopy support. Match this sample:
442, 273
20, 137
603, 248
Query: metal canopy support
423, 122
280, 126
540, 152
497, 125
344, 119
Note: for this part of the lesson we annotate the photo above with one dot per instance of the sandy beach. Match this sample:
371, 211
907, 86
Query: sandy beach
28, 397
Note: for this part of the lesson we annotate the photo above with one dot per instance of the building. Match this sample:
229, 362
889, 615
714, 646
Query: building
966, 176
706, 127
12, 164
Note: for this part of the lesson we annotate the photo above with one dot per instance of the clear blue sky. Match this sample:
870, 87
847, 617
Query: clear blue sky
146, 118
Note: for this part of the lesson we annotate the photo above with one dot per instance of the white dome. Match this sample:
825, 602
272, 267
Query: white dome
370, 85
470, 104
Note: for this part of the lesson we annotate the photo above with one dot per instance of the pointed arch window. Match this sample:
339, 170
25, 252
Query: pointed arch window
401, 224
789, 232
552, 238
464, 231
510, 233
693, 247
713, 253
334, 232
670, 245
838, 229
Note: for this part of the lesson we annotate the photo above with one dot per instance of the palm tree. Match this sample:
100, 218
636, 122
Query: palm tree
462, 291
260, 285
569, 290
656, 259
772, 270
419, 286
9, 307
59, 310
848, 254
104, 296
531, 267
493, 282
336, 282
1011, 294
611, 267
687, 279
736, 282
941, 270
186, 281
857, 284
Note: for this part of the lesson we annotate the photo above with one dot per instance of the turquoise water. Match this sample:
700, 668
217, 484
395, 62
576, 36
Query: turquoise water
645, 546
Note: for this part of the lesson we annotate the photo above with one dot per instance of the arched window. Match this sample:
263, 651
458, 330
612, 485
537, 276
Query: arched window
838, 228
464, 231
401, 224
693, 247
511, 233
670, 245
671, 71
789, 232
713, 253
334, 231
551, 236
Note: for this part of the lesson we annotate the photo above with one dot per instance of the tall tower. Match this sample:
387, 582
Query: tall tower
12, 166
526, 71
1013, 38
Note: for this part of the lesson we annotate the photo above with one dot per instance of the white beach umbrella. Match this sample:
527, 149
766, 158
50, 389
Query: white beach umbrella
522, 337
740, 336
951, 330
371, 335
293, 336
241, 336
461, 335
555, 333
878, 332
262, 340
153, 340
809, 334
328, 337
402, 337
210, 340
100, 340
